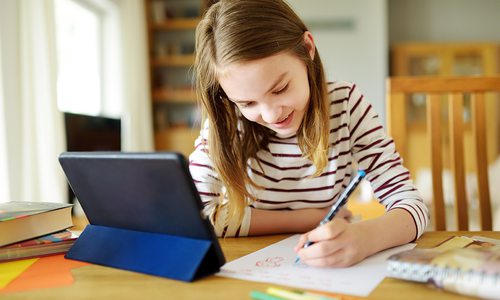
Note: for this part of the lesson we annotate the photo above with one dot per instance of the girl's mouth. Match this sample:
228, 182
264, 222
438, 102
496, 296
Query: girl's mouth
285, 122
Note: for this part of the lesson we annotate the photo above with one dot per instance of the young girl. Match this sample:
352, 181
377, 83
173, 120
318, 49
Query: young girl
280, 143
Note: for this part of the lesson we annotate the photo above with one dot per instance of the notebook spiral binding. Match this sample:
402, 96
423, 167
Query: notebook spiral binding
439, 275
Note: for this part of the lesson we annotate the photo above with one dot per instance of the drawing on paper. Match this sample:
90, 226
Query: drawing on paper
270, 262
275, 264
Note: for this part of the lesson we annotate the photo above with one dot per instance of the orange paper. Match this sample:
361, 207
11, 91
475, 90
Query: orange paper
46, 272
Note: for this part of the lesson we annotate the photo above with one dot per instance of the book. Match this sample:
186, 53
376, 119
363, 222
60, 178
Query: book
468, 266
21, 221
54, 243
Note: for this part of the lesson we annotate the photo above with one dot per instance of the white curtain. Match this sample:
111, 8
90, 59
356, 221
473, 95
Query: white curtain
42, 131
136, 119
4, 177
31, 126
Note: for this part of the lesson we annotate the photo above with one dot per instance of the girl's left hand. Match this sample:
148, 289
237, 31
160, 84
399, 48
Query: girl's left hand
336, 244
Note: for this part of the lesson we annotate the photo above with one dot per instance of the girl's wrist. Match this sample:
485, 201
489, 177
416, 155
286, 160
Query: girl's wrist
308, 218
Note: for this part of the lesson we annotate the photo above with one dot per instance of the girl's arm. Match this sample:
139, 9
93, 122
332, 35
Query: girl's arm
375, 153
339, 243
289, 221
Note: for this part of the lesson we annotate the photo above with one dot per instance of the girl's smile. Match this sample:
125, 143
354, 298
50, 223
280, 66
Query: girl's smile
284, 122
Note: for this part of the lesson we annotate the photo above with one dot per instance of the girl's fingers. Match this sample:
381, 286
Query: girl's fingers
328, 231
336, 259
320, 250
302, 240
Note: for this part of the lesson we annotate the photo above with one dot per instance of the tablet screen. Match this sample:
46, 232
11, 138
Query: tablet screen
151, 192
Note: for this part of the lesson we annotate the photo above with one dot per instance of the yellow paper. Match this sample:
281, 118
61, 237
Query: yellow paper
454, 243
11, 270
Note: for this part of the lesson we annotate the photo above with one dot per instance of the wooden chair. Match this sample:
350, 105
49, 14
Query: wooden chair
454, 89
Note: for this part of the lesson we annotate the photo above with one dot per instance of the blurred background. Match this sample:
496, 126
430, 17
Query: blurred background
87, 75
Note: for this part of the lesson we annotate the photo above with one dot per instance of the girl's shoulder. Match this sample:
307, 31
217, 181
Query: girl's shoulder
339, 91
340, 83
340, 87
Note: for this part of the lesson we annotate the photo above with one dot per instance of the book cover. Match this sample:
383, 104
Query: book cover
21, 209
21, 221
461, 264
54, 243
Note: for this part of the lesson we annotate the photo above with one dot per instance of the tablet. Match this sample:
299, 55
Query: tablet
145, 192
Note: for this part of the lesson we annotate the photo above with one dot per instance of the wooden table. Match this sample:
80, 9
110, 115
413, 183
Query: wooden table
97, 282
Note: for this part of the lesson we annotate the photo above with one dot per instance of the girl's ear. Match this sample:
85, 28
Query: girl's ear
309, 43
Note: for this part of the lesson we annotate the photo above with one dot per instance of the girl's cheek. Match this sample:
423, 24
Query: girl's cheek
251, 116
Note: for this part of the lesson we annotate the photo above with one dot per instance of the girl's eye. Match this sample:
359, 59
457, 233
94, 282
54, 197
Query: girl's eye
246, 104
281, 91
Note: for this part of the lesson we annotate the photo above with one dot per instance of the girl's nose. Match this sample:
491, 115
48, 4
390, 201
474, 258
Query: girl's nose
271, 114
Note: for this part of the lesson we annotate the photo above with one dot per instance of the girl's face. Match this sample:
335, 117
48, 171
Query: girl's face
272, 91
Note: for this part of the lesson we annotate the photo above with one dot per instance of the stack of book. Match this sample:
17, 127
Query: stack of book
34, 229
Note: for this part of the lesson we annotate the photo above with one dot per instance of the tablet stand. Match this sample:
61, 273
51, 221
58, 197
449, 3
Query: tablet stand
157, 254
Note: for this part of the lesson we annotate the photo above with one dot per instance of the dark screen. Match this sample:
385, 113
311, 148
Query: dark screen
91, 133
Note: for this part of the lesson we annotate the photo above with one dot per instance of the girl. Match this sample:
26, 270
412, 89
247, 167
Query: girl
280, 143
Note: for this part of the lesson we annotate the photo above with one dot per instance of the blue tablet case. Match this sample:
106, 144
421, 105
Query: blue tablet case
144, 213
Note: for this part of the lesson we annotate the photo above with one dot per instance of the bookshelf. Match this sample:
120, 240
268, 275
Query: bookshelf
171, 36
446, 59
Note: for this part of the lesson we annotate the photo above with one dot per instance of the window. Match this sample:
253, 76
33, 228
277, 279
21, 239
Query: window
87, 56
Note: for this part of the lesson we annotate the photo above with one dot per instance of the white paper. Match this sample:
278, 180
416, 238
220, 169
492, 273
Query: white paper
276, 264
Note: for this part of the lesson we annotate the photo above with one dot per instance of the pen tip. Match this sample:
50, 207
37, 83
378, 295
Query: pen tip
361, 173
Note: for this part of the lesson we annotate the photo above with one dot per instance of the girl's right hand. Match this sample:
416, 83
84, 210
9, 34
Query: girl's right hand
338, 243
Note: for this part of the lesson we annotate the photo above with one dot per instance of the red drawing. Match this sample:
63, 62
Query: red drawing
270, 262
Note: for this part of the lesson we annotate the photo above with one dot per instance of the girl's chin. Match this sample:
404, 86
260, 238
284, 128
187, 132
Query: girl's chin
284, 133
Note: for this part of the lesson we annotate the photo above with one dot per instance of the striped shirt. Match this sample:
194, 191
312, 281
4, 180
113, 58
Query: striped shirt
357, 140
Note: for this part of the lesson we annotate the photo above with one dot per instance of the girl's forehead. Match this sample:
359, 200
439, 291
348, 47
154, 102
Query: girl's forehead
267, 64
250, 80
222, 71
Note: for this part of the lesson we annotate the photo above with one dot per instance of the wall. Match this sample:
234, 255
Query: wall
444, 20
351, 37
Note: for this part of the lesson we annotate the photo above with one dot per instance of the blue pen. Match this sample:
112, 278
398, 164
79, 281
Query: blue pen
341, 202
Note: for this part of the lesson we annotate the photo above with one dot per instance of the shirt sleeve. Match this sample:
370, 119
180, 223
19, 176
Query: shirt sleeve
375, 153
211, 190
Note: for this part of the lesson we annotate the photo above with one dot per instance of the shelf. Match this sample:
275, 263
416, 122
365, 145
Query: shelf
444, 59
174, 61
170, 27
179, 139
175, 24
174, 95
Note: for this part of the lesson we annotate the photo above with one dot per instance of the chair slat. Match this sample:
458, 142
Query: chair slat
455, 111
479, 132
434, 132
397, 123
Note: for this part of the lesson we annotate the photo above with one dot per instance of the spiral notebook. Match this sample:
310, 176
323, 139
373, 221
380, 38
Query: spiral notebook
469, 266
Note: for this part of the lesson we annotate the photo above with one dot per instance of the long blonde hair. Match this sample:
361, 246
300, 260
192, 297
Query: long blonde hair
235, 31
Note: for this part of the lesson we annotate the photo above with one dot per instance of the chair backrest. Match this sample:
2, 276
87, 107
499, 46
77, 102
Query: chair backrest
454, 89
